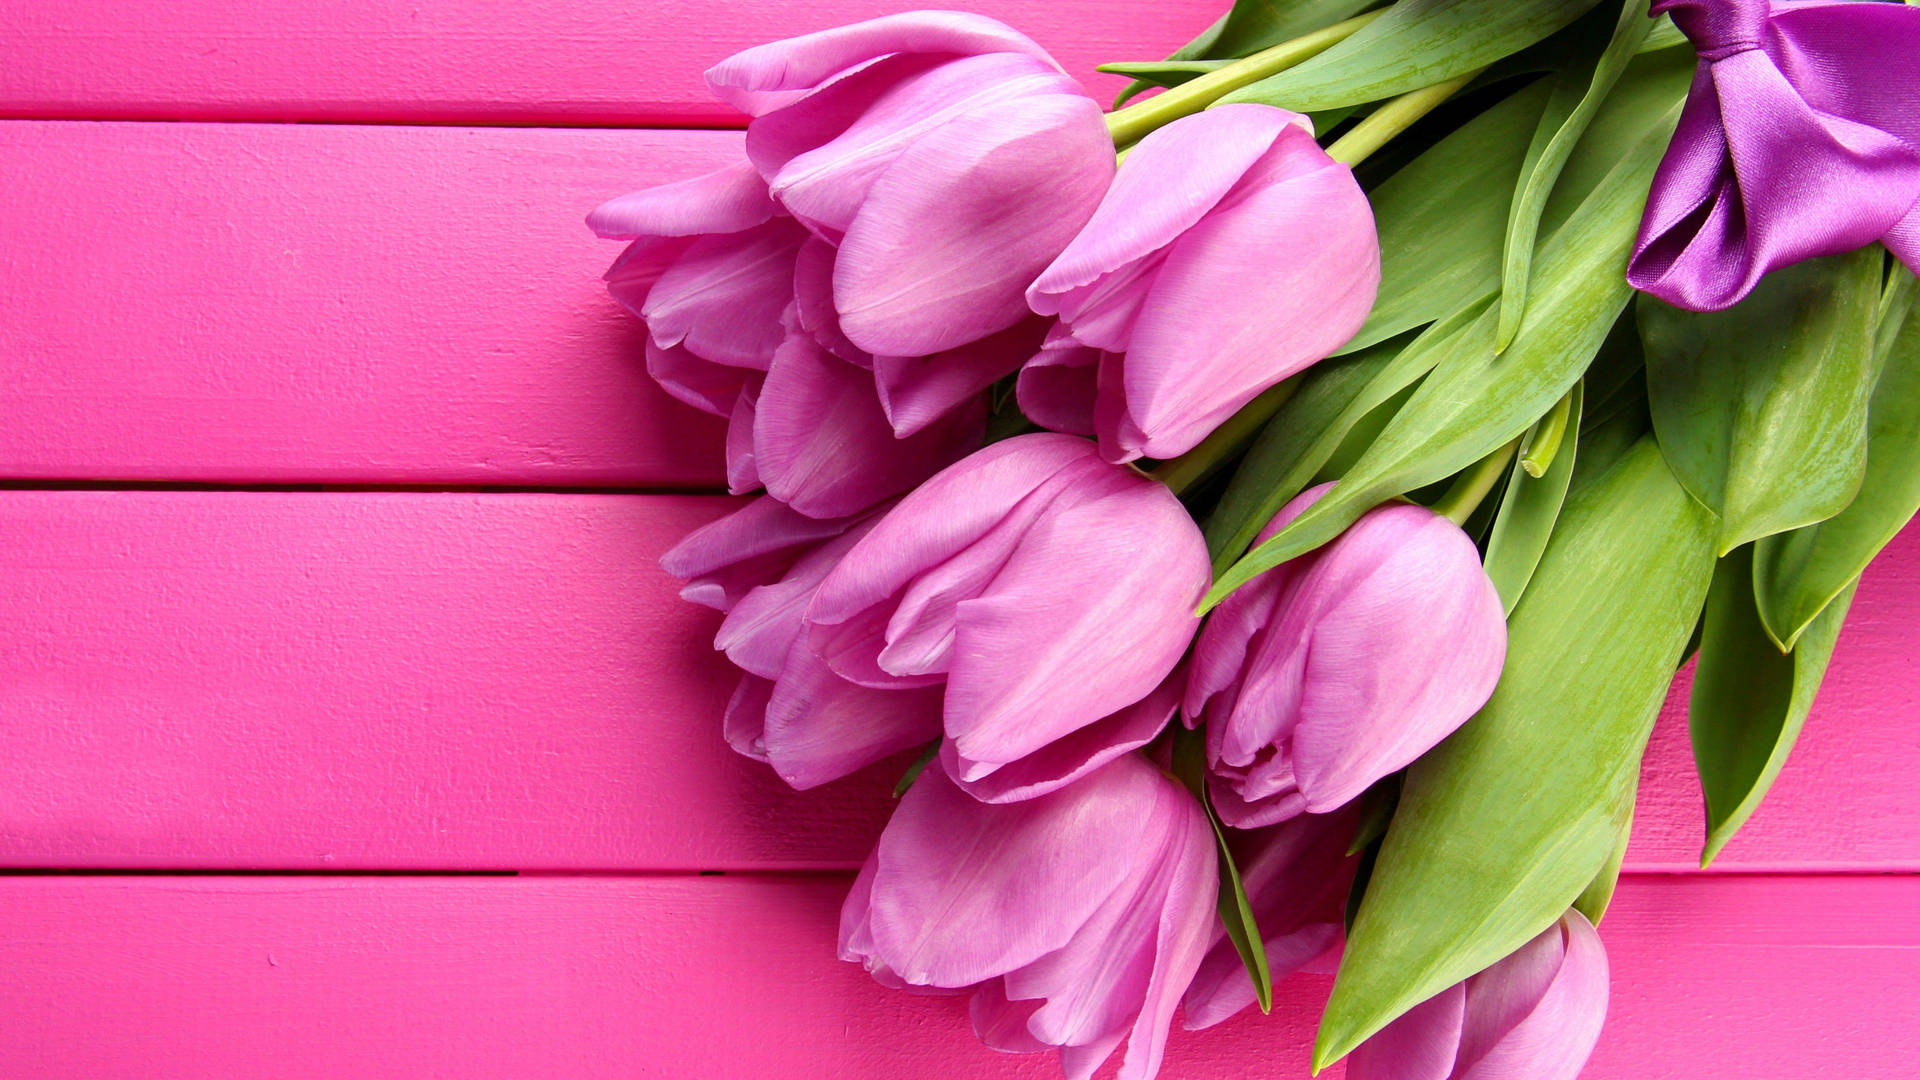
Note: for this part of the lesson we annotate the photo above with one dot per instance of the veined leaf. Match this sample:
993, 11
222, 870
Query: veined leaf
1749, 700
1312, 425
1598, 895
1577, 96
1506, 823
1236, 911
1417, 43
1527, 513
1475, 401
1762, 409
1441, 217
1797, 574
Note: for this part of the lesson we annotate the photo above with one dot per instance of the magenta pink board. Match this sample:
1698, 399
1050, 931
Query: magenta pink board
414, 676
719, 978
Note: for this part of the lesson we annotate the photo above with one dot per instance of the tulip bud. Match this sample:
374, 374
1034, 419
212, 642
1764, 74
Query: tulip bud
944, 157
1332, 670
1297, 875
1230, 253
1045, 587
1077, 918
1535, 1014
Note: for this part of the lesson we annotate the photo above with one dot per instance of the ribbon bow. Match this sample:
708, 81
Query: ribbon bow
1800, 137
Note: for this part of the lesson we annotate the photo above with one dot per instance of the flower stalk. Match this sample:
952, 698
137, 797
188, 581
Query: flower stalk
1389, 120
1470, 488
1129, 124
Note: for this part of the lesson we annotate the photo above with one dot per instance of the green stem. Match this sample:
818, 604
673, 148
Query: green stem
1227, 440
1543, 442
1391, 119
1134, 121
1471, 486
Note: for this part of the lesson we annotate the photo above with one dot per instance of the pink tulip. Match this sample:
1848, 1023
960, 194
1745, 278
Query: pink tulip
1047, 589
1297, 875
941, 159
1076, 918
1332, 670
1230, 253
762, 565
1533, 1016
713, 270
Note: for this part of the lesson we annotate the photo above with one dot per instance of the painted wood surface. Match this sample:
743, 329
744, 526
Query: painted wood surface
462, 61
471, 681
1714, 978
330, 304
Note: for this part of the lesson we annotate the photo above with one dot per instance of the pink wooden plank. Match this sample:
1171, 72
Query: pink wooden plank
360, 680
271, 303
548, 61
1715, 978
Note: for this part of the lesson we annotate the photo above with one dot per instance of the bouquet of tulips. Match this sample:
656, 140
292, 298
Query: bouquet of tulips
1275, 509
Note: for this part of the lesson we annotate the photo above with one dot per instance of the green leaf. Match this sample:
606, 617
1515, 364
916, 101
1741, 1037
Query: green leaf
1594, 900
1798, 573
1475, 401
1417, 43
1506, 823
1762, 409
1441, 217
1236, 911
1749, 700
1577, 96
1527, 513
1334, 400
1248, 27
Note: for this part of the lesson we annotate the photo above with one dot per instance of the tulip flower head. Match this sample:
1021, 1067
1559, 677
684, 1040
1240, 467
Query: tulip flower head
1533, 1016
941, 159
1332, 670
1076, 918
1230, 253
1046, 588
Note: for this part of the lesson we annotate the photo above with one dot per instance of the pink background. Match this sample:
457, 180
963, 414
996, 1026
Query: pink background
331, 491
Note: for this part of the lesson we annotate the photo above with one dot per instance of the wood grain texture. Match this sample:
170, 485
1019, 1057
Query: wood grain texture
398, 680
1715, 978
332, 304
544, 61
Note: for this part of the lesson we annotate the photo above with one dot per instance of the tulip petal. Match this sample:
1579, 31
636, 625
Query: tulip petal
1093, 609
821, 156
964, 891
743, 471
1552, 1041
1002, 1023
723, 201
939, 520
917, 390
1281, 273
820, 727
723, 297
706, 386
949, 237
760, 630
1063, 761
1056, 387
1418, 1046
776, 74
1169, 181
754, 545
813, 301
823, 445
744, 723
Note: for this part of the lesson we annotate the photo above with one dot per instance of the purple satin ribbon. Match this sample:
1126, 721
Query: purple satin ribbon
1800, 137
